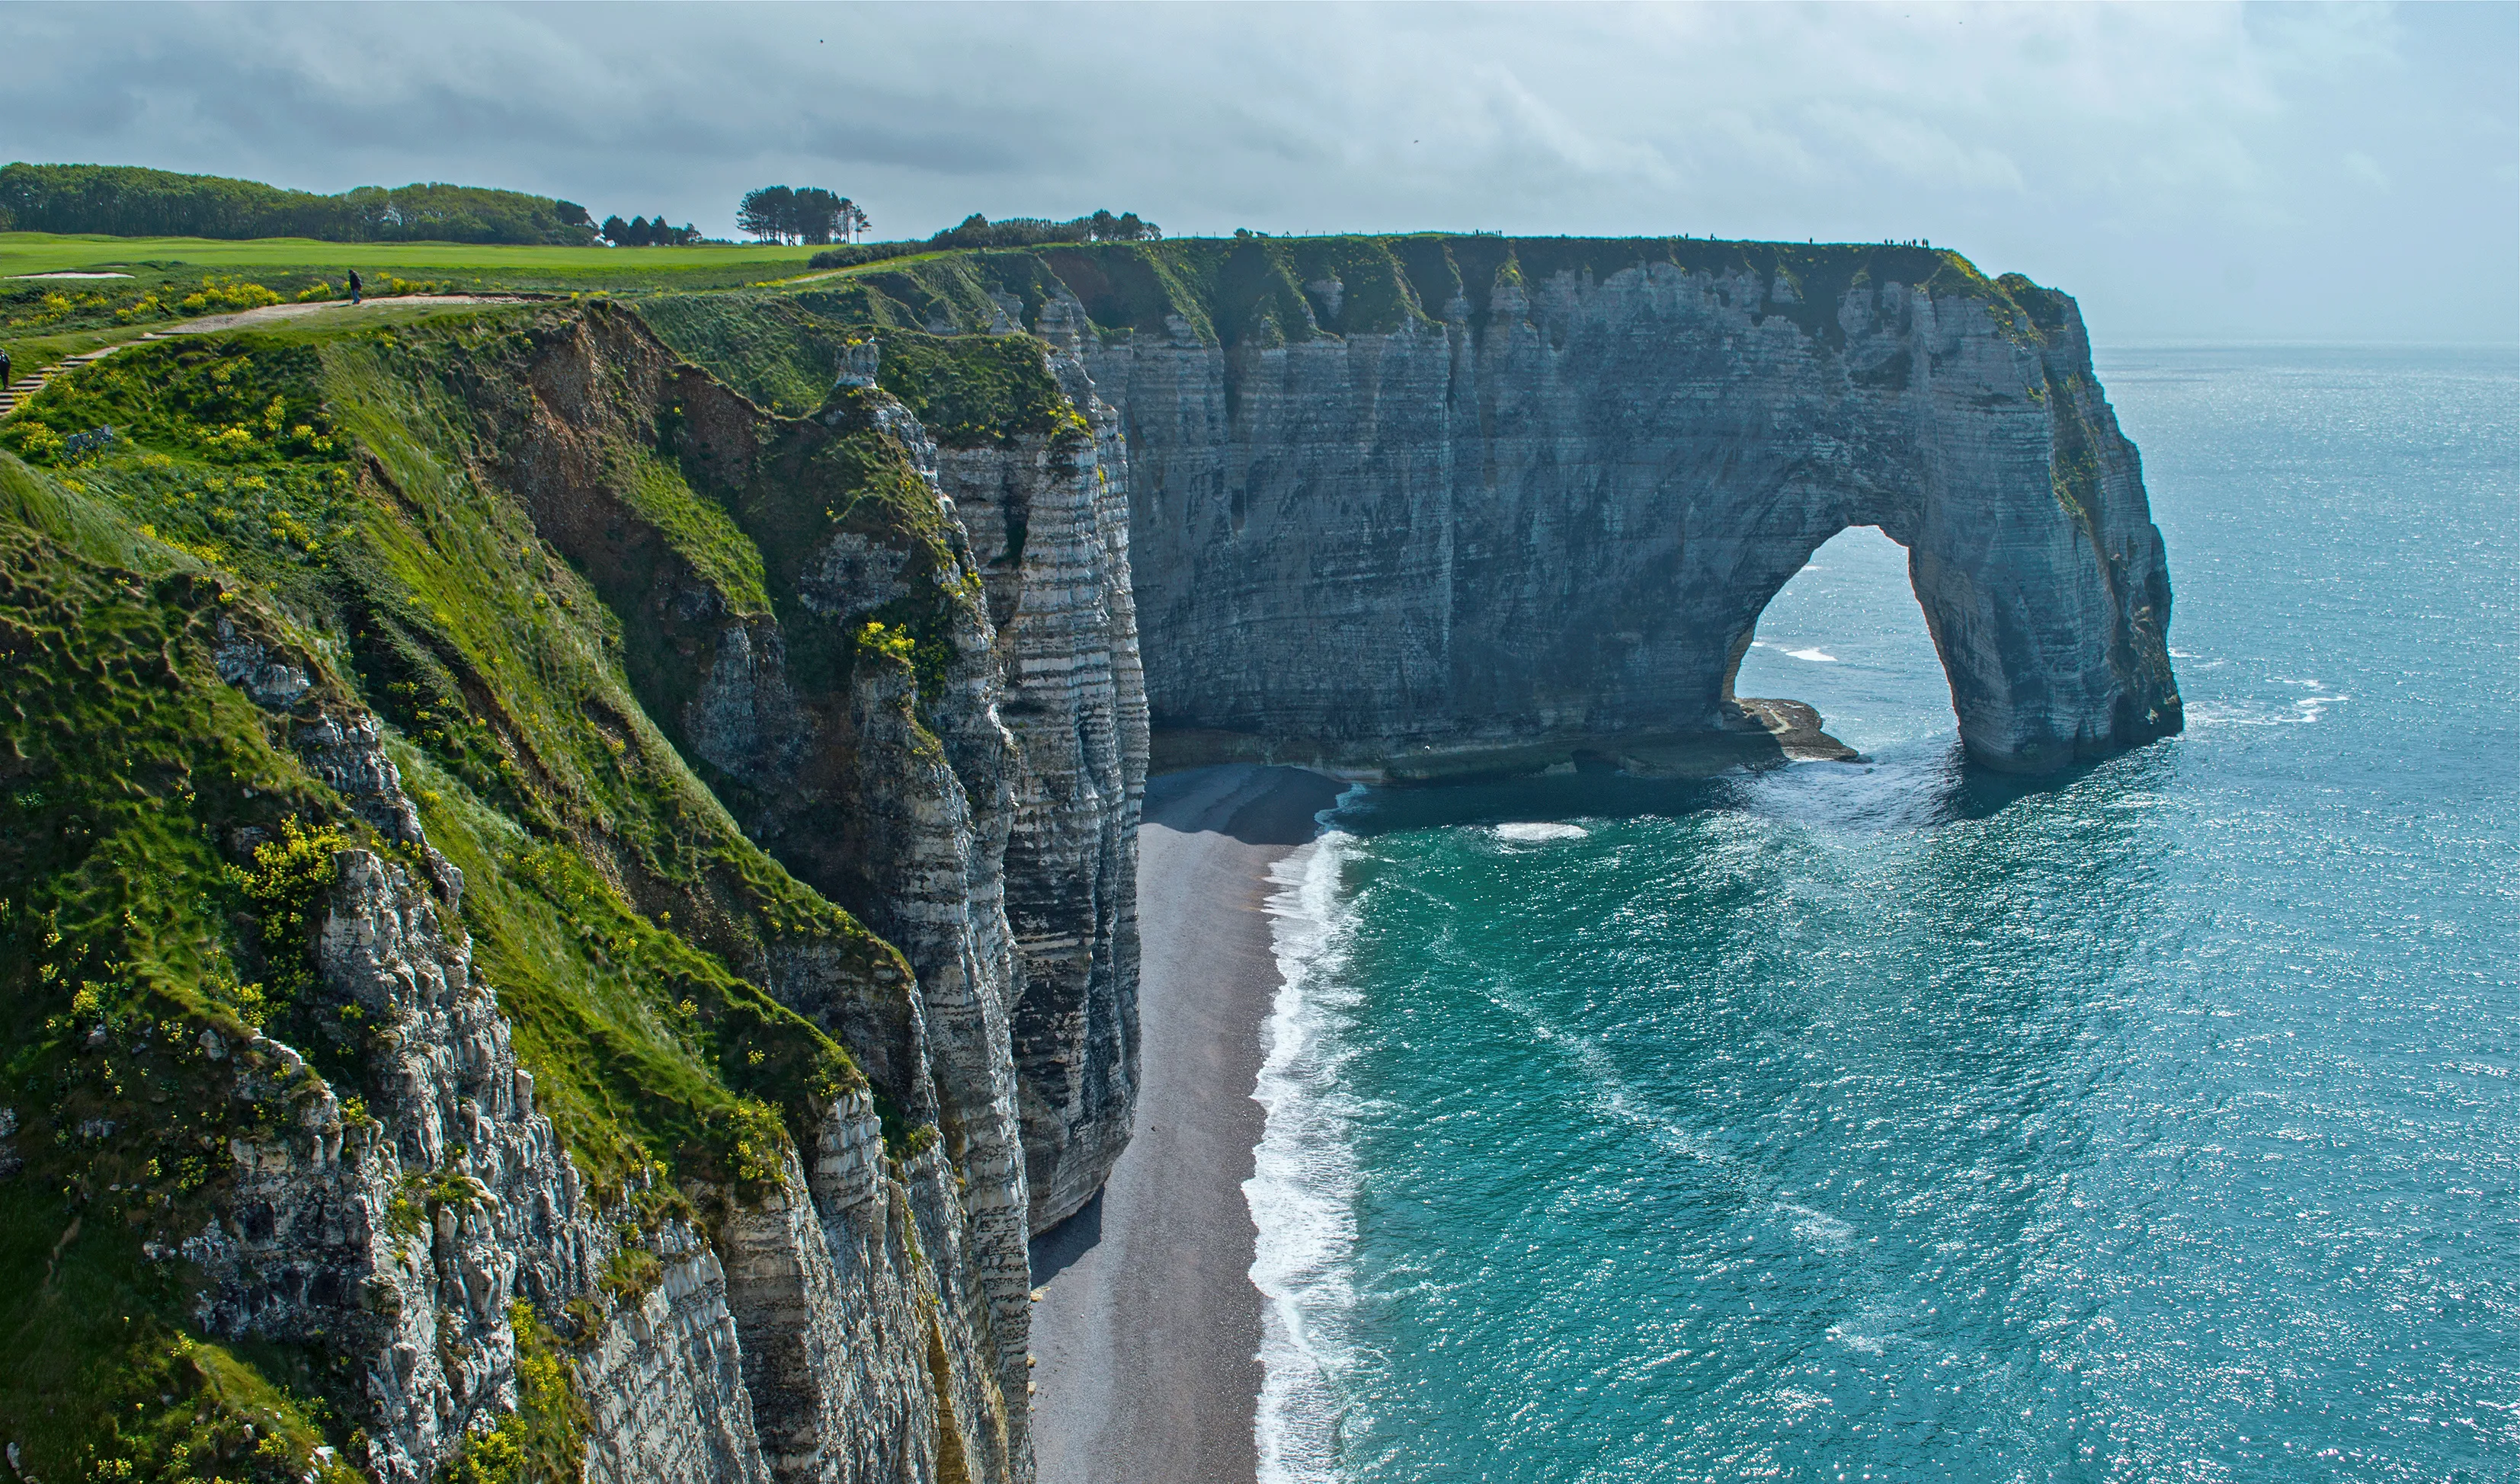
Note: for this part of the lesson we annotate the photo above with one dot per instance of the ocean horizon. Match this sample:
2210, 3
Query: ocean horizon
1897, 1119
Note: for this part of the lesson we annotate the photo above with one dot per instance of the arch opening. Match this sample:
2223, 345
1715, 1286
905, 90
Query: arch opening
1847, 635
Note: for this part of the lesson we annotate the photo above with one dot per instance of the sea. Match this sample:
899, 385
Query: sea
1894, 1120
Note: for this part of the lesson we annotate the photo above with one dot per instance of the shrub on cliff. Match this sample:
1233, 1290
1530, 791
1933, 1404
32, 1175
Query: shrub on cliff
978, 231
857, 254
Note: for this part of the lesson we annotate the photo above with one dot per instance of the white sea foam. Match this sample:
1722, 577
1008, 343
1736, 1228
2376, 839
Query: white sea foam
1303, 1182
2301, 713
1796, 1404
1818, 656
1540, 833
1821, 1230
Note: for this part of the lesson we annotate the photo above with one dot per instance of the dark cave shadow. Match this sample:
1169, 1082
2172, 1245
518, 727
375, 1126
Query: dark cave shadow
1057, 1250
1284, 813
1972, 791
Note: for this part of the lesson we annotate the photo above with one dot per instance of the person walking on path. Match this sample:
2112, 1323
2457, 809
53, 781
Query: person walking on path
354, 286
5, 368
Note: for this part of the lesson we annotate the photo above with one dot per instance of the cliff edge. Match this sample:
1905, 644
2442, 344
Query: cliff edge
1420, 506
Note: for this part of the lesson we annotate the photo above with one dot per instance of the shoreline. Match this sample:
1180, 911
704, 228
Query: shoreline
1146, 1328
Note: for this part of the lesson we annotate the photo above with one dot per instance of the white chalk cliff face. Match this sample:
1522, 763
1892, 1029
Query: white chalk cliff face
977, 808
1049, 523
1546, 520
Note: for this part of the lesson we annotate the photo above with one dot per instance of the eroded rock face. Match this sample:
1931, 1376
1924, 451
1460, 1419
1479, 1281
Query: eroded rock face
888, 783
1012, 868
860, 1321
403, 1238
1527, 531
1048, 519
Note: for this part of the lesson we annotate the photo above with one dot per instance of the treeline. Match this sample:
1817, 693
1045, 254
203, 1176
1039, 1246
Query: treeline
800, 214
640, 232
978, 231
859, 254
133, 200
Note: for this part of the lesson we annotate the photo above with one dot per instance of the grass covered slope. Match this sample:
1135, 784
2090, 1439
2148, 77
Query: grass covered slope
783, 350
1268, 291
149, 282
163, 845
1261, 289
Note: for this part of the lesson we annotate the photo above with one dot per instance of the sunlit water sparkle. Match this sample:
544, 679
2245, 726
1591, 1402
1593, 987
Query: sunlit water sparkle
1894, 1121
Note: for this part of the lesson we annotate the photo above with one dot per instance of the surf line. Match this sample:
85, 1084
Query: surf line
1303, 1182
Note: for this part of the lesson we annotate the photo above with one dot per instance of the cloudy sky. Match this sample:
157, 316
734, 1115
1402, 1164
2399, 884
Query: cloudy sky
2188, 171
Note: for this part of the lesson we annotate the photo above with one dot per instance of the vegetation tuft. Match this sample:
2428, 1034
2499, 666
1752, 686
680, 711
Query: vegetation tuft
972, 390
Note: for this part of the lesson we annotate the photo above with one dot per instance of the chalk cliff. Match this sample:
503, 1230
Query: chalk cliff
1049, 518
557, 1125
1541, 517
1427, 505
595, 924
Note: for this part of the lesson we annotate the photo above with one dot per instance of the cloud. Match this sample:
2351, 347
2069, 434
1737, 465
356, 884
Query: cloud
2101, 147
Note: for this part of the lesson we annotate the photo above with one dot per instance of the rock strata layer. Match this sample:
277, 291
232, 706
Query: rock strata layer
1547, 514
1048, 516
837, 1329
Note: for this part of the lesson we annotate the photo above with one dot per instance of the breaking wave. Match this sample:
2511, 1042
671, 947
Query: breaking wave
1303, 1182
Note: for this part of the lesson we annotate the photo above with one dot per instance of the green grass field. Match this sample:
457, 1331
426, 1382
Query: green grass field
170, 279
30, 352
23, 253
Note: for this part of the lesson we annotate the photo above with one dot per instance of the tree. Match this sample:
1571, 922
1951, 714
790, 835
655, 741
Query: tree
978, 231
573, 214
813, 214
648, 232
797, 214
764, 214
128, 200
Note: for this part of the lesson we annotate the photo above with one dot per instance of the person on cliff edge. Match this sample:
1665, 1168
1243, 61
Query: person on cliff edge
354, 286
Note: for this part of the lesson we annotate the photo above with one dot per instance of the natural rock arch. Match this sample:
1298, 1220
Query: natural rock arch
2042, 644
1515, 534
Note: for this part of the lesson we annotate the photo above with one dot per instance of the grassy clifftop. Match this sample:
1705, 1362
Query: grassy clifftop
782, 349
161, 844
1270, 291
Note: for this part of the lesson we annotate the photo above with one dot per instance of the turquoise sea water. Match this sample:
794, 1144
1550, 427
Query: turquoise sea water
1896, 1122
